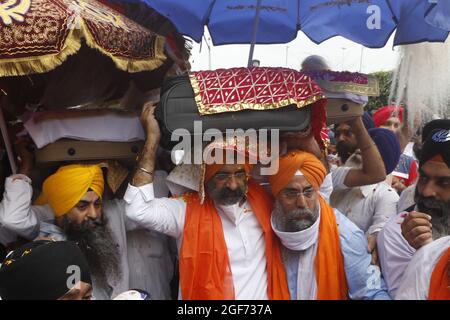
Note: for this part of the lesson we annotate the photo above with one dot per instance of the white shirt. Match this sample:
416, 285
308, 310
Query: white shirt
416, 280
369, 207
394, 253
243, 235
18, 191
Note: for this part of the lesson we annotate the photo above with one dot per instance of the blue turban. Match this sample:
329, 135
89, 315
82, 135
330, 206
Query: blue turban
388, 145
368, 121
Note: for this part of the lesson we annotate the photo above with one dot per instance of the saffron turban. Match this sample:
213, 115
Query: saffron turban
305, 162
383, 114
65, 188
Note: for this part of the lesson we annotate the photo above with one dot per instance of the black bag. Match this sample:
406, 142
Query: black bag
177, 109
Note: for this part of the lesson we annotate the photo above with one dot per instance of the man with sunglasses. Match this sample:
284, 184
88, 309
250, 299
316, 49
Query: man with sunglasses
227, 249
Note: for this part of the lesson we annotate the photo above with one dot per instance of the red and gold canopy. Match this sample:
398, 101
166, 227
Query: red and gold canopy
228, 90
37, 36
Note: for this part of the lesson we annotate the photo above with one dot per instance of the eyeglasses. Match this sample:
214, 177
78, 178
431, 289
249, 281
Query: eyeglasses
225, 177
291, 194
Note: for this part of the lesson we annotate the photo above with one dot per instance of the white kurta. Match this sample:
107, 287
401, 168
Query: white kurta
369, 207
415, 284
394, 253
243, 235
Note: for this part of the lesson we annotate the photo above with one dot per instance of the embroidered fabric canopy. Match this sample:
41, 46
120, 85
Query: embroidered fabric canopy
346, 82
236, 89
36, 36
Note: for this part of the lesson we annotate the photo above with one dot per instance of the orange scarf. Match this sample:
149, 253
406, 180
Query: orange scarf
330, 272
205, 271
440, 282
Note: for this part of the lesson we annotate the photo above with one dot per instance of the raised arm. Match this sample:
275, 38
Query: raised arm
16, 213
372, 170
163, 214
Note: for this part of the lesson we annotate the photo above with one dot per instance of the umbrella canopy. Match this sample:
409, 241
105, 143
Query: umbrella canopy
367, 22
36, 36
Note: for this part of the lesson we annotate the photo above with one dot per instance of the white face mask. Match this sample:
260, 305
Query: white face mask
300, 240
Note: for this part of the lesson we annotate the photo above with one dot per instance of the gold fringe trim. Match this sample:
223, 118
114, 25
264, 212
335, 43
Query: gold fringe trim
40, 64
131, 66
372, 88
204, 110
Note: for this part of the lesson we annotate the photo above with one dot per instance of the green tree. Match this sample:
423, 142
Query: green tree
385, 80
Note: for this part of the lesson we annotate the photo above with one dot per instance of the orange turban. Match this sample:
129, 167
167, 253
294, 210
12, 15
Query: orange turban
305, 162
65, 188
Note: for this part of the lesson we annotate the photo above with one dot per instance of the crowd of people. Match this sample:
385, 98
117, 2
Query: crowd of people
370, 222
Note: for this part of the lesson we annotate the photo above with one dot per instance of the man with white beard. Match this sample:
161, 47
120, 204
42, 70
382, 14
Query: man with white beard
325, 254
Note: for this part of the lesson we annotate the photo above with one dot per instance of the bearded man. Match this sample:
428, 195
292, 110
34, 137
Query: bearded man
427, 220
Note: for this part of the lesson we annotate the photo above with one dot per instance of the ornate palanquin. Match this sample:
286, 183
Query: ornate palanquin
36, 36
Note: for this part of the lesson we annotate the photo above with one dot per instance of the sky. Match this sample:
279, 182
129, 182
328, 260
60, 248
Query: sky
341, 55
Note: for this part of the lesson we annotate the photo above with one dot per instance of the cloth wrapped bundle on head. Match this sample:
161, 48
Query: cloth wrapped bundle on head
388, 146
40, 270
65, 188
383, 114
329, 262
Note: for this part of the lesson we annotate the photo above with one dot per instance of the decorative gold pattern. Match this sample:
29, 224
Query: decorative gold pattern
51, 30
370, 89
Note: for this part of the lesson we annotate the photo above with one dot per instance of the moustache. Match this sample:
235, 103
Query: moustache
229, 193
300, 214
432, 203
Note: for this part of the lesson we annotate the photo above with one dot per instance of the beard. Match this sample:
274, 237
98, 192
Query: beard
295, 220
226, 196
439, 212
95, 241
345, 150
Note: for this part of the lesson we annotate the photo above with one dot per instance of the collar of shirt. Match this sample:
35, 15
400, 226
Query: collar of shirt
300, 240
233, 212
366, 190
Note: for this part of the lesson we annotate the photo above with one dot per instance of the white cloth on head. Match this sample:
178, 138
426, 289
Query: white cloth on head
415, 283
112, 127
243, 235
299, 173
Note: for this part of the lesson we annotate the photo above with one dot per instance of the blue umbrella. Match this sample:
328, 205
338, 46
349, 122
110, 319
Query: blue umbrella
438, 14
367, 22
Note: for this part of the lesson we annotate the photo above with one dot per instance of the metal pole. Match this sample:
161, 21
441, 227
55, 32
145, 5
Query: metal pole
361, 60
343, 57
287, 50
8, 146
255, 31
